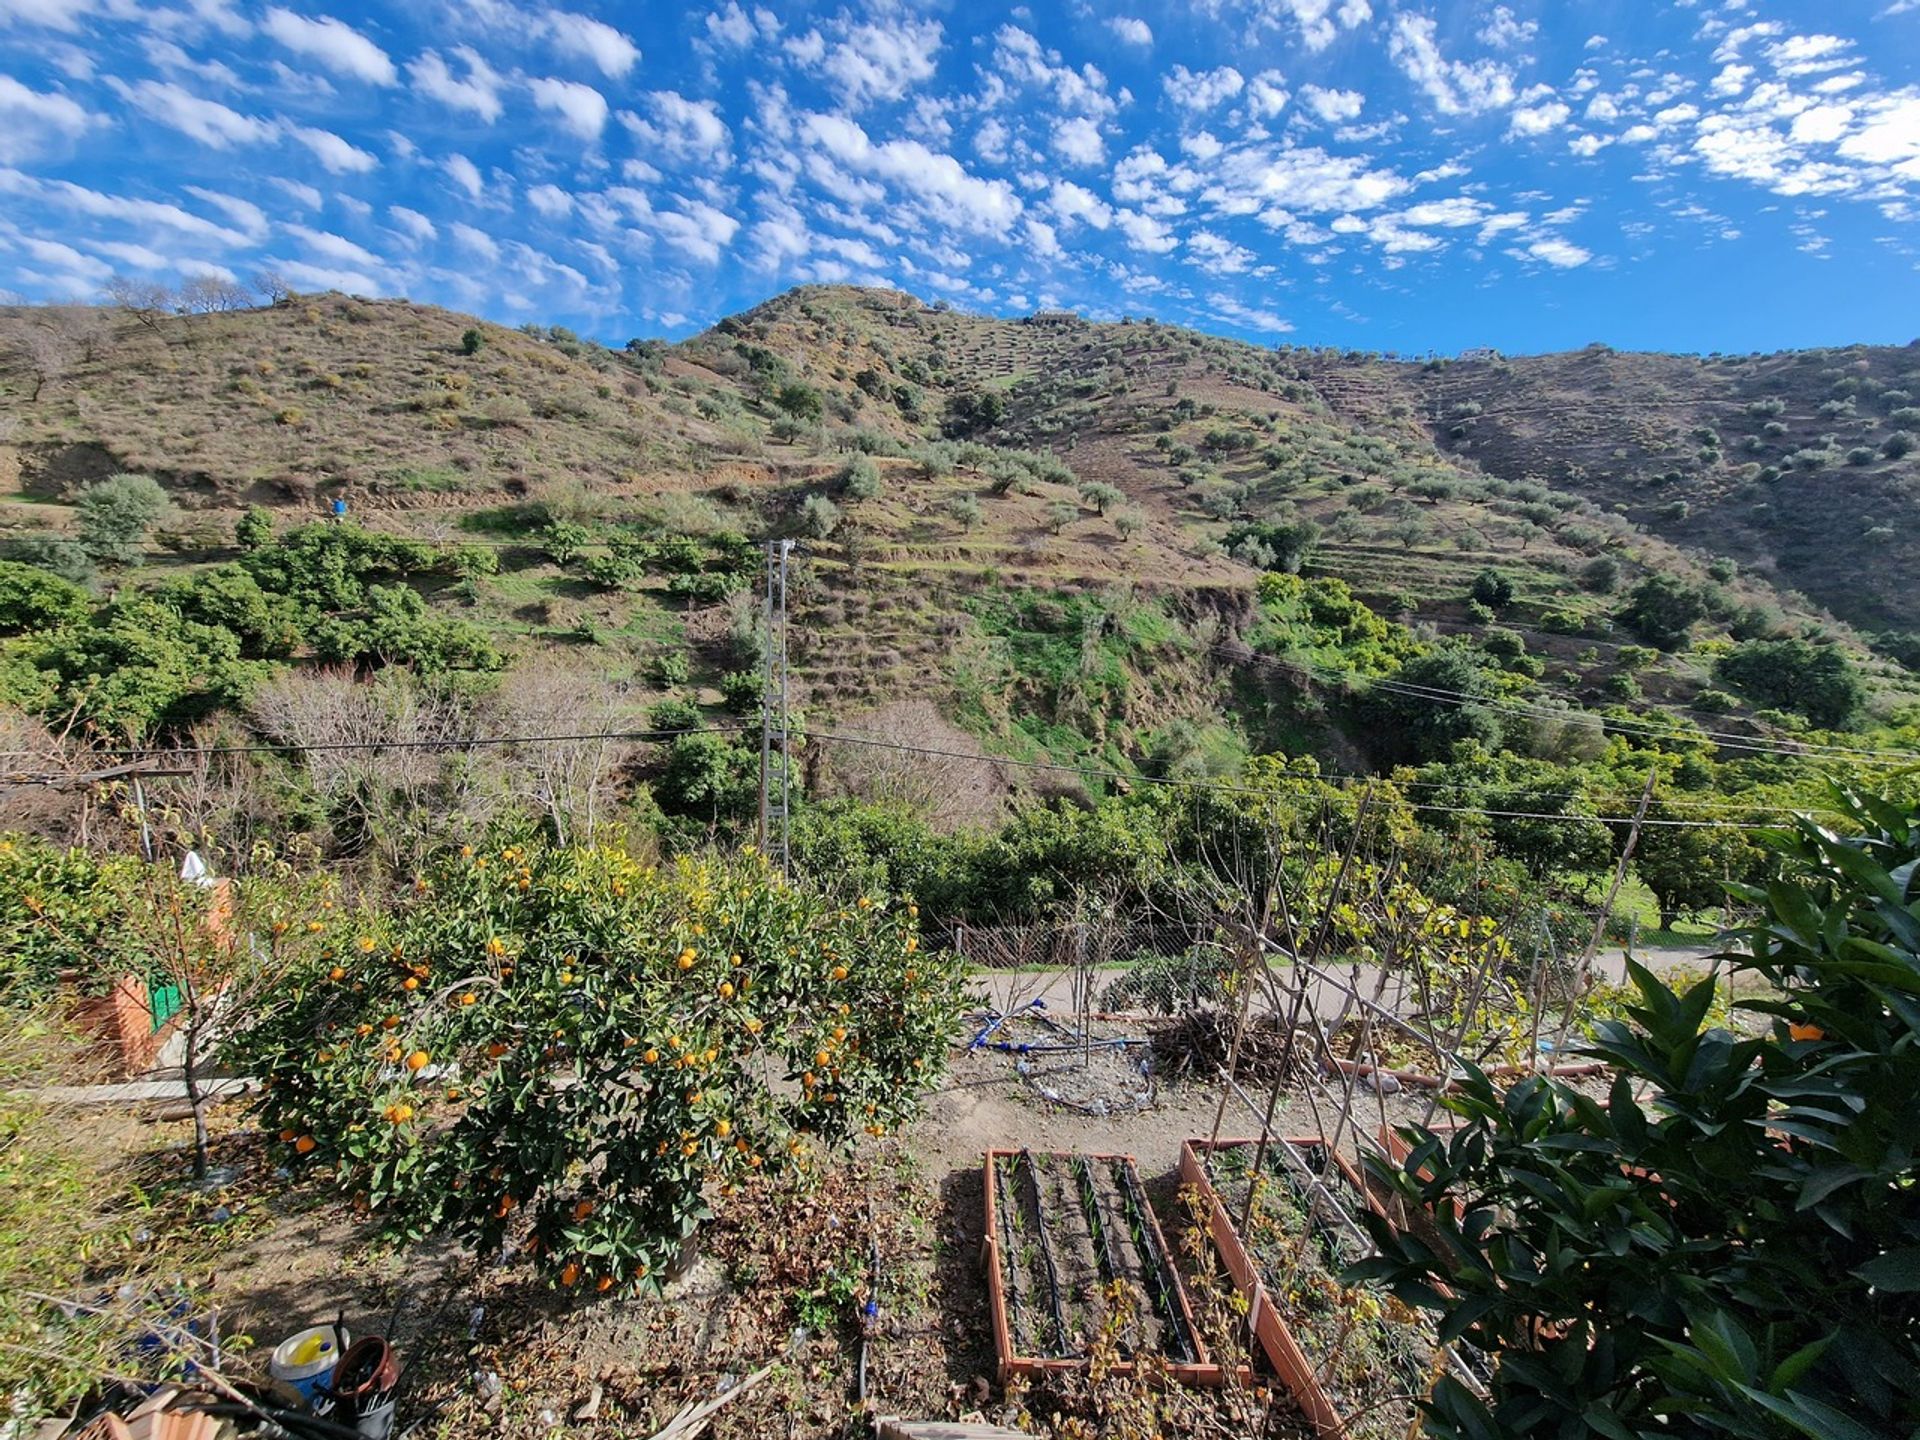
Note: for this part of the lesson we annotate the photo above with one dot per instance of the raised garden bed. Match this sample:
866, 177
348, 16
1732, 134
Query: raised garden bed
1063, 1233
1356, 1360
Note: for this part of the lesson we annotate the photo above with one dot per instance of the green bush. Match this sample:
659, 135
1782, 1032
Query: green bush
35, 599
1736, 1255
1818, 682
117, 514
860, 480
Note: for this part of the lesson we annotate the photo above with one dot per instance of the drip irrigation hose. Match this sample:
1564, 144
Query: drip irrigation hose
1046, 1253
1103, 1241
1005, 1192
1164, 1284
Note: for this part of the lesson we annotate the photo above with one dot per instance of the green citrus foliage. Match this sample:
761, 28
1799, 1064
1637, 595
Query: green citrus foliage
64, 910
1740, 1254
568, 1047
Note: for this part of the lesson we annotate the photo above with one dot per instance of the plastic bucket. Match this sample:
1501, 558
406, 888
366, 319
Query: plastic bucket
304, 1361
363, 1388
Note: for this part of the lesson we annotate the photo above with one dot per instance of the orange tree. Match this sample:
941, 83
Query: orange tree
576, 1050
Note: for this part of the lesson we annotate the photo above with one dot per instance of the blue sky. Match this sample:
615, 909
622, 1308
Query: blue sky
1387, 174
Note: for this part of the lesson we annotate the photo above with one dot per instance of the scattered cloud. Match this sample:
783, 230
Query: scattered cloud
335, 45
581, 108
478, 93
33, 122
593, 40
1455, 87
336, 154
1131, 30
1332, 105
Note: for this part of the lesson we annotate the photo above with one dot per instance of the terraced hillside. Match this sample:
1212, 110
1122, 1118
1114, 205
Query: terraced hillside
1051, 529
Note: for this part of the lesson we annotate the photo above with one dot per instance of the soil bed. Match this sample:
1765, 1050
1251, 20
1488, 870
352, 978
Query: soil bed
1368, 1356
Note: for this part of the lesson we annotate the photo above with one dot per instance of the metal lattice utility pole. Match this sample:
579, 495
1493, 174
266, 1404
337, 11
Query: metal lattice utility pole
775, 774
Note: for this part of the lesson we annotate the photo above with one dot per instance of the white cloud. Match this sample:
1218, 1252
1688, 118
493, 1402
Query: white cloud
1538, 119
1810, 54
326, 277
478, 94
69, 260
1505, 31
1265, 321
732, 26
1073, 203
590, 39
1451, 213
1267, 94
1218, 255
1204, 89
32, 122
681, 129
1134, 32
699, 230
1019, 56
329, 246
64, 15
194, 116
475, 242
881, 59
940, 183
1822, 125
1332, 105
417, 227
1587, 146
1559, 253
337, 46
550, 200
581, 108
1143, 232
1456, 87
336, 154
1042, 238
244, 213
1890, 136
166, 55
1078, 140
1318, 21
100, 205
465, 174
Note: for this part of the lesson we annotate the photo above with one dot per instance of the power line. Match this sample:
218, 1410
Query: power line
1437, 694
474, 742
1225, 787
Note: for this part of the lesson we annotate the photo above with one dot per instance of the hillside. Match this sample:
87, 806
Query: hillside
1071, 570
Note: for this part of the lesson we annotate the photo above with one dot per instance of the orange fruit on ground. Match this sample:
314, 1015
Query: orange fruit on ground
305, 1144
604, 1284
288, 1136
338, 972
570, 1275
392, 1022
410, 983
469, 998
726, 991
823, 1058
418, 1061
839, 972
583, 1210
650, 1055
1806, 1032
363, 1029
723, 1128
496, 1050
401, 1114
